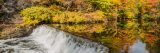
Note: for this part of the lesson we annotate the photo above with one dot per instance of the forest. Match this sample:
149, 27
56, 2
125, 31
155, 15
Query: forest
107, 22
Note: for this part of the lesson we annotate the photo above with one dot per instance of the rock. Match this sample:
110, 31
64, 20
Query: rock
9, 8
11, 31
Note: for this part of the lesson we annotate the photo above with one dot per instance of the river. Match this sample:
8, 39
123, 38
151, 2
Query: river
128, 37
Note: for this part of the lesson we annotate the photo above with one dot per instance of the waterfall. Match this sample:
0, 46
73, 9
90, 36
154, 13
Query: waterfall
45, 39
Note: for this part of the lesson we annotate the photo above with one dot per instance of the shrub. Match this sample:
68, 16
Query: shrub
67, 17
35, 15
75, 5
116, 8
101, 4
78, 17
55, 7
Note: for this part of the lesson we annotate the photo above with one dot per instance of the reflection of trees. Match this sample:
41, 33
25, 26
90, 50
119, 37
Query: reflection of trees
126, 35
121, 41
89, 31
118, 36
152, 42
149, 35
82, 28
116, 39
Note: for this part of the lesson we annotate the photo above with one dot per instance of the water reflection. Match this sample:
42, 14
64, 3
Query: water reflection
138, 47
127, 36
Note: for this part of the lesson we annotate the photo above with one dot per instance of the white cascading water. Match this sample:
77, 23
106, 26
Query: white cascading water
45, 39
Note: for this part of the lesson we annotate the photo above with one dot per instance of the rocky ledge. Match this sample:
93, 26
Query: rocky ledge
11, 31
